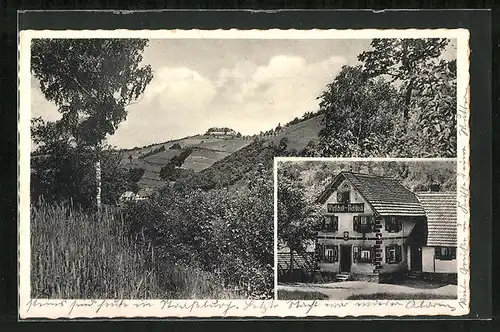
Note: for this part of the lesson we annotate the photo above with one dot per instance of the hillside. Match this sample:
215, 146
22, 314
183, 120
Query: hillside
219, 161
300, 134
206, 150
242, 167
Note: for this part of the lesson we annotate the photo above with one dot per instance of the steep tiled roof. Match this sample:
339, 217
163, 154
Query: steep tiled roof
441, 211
387, 196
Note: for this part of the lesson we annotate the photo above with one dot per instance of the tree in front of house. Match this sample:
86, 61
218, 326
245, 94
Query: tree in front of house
91, 81
298, 216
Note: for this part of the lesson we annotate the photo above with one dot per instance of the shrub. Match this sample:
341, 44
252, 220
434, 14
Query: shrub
224, 232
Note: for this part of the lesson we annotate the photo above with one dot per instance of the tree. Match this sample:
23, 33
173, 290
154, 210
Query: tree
403, 60
427, 91
176, 146
298, 218
91, 81
63, 172
358, 116
310, 150
167, 172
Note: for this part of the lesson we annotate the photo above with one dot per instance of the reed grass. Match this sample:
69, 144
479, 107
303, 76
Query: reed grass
82, 255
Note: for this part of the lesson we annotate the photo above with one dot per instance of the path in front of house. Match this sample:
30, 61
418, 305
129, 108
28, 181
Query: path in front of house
342, 290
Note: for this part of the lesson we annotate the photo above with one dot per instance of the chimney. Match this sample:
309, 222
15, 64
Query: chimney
434, 187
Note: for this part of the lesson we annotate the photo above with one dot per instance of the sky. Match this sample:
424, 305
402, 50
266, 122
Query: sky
247, 85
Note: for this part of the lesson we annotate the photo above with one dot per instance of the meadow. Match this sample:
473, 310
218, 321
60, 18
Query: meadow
81, 255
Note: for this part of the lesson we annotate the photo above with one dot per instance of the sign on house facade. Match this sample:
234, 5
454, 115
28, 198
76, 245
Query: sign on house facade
373, 226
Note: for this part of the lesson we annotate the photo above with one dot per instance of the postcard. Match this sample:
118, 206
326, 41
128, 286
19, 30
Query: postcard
243, 173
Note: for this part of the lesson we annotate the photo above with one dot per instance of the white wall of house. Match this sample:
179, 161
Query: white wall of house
430, 264
395, 267
329, 267
367, 268
346, 219
345, 224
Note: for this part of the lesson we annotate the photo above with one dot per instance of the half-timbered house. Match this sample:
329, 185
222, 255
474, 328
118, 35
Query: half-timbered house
373, 226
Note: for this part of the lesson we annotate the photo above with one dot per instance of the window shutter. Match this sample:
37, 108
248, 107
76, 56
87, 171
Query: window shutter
437, 252
398, 254
387, 260
453, 253
356, 222
335, 253
387, 221
355, 253
372, 254
319, 249
335, 223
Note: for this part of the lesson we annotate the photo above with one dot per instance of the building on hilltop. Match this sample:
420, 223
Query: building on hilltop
221, 132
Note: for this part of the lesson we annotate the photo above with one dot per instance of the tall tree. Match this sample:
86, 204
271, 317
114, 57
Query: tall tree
403, 60
91, 81
298, 218
358, 114
427, 91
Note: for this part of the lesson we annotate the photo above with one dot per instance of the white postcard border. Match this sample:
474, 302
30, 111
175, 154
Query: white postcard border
109, 308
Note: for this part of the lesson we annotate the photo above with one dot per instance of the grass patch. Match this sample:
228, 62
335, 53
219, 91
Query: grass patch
300, 295
400, 296
83, 255
423, 284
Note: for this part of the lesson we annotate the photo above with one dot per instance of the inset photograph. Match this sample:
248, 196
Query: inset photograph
367, 230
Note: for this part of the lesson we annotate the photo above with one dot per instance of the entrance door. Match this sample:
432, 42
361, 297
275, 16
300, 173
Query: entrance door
416, 259
345, 258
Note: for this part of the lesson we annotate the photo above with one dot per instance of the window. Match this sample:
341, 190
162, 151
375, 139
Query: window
327, 253
363, 224
363, 254
393, 224
393, 254
445, 253
330, 224
343, 196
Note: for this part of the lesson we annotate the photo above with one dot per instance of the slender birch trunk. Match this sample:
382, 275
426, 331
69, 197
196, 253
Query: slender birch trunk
98, 183
98, 177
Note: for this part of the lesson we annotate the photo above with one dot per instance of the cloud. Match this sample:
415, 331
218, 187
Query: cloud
174, 105
41, 107
180, 89
248, 96
284, 88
